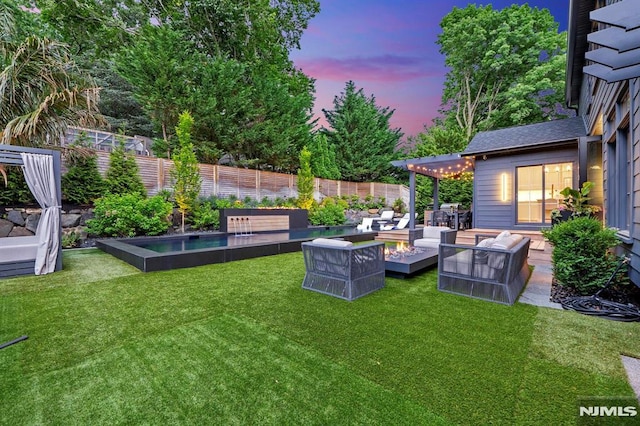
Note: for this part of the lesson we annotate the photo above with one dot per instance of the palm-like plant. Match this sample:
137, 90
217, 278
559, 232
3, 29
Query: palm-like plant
42, 91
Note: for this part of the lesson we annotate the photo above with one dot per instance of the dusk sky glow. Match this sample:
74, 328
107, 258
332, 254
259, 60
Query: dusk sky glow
388, 48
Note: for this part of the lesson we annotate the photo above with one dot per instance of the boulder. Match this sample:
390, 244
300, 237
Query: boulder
5, 228
15, 216
70, 220
32, 222
19, 231
86, 215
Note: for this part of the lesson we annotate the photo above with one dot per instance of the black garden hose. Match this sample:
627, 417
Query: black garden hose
13, 342
592, 305
595, 306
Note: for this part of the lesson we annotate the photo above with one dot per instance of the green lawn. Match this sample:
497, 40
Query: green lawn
242, 343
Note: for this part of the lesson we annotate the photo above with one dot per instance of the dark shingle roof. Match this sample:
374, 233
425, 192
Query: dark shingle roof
526, 136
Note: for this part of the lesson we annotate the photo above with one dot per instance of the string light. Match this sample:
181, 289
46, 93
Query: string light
458, 171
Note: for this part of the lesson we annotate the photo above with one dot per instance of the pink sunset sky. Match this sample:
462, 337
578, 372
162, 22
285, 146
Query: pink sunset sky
388, 48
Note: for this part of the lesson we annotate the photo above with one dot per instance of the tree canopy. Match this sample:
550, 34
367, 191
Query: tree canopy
226, 61
361, 136
506, 66
42, 90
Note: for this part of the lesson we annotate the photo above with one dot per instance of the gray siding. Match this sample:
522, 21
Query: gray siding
634, 272
599, 99
490, 212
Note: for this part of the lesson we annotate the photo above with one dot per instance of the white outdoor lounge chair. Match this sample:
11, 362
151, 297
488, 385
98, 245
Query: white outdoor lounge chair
366, 224
401, 225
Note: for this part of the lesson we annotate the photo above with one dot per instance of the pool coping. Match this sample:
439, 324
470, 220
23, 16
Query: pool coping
149, 261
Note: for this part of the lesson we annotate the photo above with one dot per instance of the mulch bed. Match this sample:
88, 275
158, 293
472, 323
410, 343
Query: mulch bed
625, 294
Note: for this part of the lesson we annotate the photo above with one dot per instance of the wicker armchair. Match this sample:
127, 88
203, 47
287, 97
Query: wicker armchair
495, 269
340, 269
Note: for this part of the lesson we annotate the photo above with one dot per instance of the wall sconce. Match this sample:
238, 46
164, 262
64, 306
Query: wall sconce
503, 179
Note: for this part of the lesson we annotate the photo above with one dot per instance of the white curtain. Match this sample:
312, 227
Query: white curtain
39, 174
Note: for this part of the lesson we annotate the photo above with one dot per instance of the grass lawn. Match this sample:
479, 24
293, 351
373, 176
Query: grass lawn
242, 343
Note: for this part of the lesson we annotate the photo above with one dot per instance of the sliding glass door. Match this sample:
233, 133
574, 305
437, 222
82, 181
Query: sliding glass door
538, 190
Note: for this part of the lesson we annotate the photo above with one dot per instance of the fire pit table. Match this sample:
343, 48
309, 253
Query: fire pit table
406, 261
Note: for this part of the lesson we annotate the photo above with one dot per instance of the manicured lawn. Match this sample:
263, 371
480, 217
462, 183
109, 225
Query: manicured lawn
242, 343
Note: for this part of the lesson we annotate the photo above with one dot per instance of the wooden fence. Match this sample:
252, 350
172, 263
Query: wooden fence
257, 184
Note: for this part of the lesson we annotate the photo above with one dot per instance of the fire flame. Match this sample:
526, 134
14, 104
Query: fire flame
401, 247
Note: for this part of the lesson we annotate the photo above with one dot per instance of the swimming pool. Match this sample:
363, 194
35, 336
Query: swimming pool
184, 251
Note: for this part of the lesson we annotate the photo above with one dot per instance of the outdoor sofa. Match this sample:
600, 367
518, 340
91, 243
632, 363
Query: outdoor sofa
339, 268
495, 269
433, 236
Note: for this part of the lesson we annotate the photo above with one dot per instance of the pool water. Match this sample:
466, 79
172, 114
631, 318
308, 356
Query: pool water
184, 251
197, 242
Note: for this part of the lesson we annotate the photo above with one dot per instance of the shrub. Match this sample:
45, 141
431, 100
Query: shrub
70, 239
371, 202
129, 215
17, 191
305, 180
581, 257
205, 217
329, 212
123, 176
399, 206
82, 184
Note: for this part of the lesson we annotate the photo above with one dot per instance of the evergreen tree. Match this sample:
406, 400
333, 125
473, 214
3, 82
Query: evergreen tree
360, 134
323, 158
305, 181
185, 172
82, 184
123, 176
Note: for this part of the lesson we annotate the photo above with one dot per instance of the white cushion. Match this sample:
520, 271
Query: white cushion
488, 242
459, 263
433, 231
503, 234
481, 255
332, 243
427, 242
496, 260
16, 249
507, 242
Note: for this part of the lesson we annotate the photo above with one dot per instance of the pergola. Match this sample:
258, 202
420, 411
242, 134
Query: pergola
437, 167
41, 168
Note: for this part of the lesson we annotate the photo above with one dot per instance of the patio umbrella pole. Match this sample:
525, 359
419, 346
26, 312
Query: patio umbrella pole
14, 341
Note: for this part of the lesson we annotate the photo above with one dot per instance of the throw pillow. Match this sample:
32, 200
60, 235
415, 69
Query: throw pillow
481, 255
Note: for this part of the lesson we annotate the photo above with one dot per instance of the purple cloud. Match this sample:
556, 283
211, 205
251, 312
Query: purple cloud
385, 68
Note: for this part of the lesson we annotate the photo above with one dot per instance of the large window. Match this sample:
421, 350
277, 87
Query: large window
619, 168
538, 190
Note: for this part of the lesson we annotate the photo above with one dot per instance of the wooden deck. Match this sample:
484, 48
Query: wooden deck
539, 250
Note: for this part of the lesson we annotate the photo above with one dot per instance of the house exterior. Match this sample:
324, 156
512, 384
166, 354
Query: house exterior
603, 85
520, 171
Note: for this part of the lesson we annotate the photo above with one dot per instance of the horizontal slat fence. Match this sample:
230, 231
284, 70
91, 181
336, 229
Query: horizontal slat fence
257, 184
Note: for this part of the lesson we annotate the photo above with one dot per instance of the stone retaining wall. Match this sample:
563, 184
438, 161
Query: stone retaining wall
22, 222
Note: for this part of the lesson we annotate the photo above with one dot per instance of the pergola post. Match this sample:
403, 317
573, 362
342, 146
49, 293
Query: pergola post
436, 185
412, 199
414, 233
